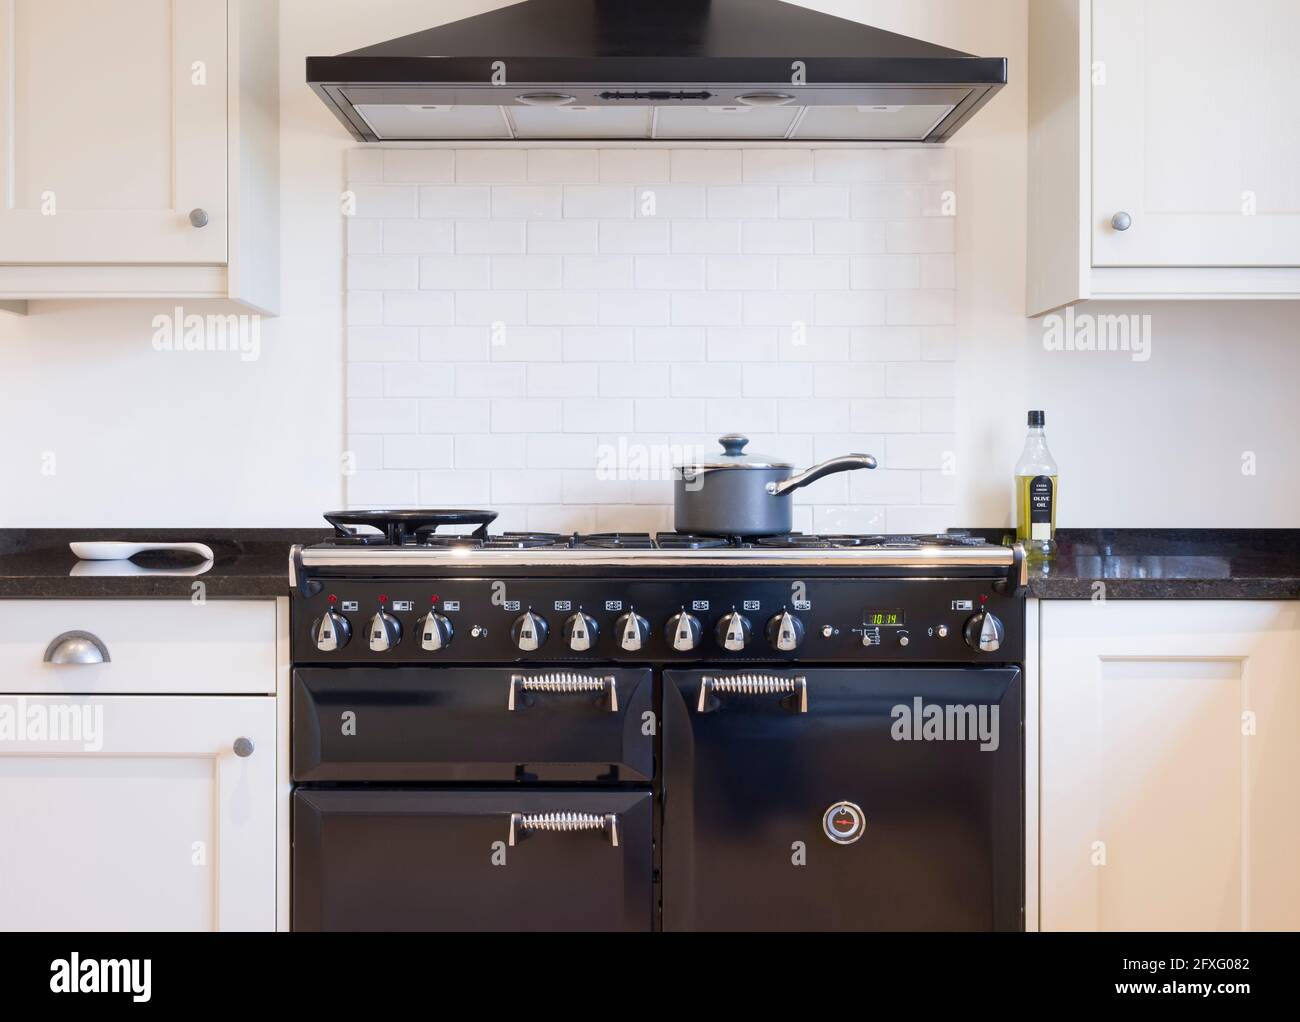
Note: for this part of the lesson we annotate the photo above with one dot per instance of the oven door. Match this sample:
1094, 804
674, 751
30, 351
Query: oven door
838, 800
431, 724
373, 859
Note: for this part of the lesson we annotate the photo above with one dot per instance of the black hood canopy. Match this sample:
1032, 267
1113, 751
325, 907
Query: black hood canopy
626, 69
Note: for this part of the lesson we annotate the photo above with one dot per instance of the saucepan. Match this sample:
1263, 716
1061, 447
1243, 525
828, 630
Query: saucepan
739, 494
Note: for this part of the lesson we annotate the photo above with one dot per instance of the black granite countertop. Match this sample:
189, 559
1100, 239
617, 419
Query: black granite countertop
1132, 564
1171, 564
247, 563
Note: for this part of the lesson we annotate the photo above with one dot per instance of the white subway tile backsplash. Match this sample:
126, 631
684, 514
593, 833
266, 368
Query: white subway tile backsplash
598, 344
503, 237
419, 237
634, 166
492, 166
814, 202
598, 273
668, 344
417, 451
633, 237
771, 165
495, 450
384, 202
455, 415
702, 237
669, 273
486, 308
382, 344
383, 272
419, 379
705, 166
461, 202
516, 314
455, 273
528, 416
527, 202
527, 272
587, 202
669, 202
564, 237
562, 166
742, 202
419, 166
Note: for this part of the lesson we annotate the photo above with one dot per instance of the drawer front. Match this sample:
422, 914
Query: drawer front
472, 724
375, 859
151, 646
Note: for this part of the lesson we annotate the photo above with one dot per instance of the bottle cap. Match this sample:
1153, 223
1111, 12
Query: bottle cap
1037, 420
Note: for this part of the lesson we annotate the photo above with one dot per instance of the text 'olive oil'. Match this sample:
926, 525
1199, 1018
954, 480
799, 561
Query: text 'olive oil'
1036, 492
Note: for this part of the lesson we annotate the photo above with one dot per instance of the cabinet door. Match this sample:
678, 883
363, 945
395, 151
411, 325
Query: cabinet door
1168, 766
1195, 133
137, 813
113, 127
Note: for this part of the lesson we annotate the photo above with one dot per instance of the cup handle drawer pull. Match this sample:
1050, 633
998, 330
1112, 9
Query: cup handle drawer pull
77, 648
795, 690
522, 824
562, 683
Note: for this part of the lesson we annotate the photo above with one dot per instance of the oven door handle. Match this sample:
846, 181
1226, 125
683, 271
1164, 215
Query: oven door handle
523, 824
794, 690
562, 683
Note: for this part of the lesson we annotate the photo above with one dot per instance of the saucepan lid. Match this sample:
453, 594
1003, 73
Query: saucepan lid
734, 456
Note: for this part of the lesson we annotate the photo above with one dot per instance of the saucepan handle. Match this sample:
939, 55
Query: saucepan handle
848, 463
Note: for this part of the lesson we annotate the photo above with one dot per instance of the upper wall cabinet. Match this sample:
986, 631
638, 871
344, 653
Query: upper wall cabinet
1164, 150
140, 150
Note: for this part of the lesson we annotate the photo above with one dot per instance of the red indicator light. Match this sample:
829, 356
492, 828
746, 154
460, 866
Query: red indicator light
383, 599
984, 599
433, 598
333, 598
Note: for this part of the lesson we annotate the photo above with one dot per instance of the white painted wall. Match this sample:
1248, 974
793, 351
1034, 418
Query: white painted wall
146, 438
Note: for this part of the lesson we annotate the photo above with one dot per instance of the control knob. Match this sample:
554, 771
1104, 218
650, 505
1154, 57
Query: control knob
633, 631
530, 631
581, 632
785, 632
331, 631
435, 631
734, 631
984, 632
683, 632
385, 631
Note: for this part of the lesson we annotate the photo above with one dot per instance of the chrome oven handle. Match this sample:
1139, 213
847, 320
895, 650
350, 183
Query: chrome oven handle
522, 824
562, 682
795, 689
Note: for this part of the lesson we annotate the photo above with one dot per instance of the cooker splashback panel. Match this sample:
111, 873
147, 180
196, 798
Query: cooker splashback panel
790, 620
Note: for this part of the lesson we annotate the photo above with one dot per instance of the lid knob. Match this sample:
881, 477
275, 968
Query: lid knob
733, 444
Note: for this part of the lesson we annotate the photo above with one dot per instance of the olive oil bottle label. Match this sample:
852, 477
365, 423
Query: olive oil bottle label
1042, 495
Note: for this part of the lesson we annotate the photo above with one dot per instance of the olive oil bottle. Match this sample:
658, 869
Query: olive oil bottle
1036, 492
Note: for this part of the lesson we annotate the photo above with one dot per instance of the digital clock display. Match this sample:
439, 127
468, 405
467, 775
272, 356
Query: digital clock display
885, 618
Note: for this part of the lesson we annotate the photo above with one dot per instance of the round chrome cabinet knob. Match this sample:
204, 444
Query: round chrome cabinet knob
581, 632
984, 632
435, 632
785, 632
198, 218
1121, 221
331, 631
683, 632
734, 631
529, 631
385, 631
632, 631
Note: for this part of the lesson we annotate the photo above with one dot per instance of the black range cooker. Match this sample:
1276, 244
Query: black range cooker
521, 731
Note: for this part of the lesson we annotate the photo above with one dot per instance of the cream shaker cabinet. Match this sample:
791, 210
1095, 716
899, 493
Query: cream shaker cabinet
1169, 762
1164, 150
140, 150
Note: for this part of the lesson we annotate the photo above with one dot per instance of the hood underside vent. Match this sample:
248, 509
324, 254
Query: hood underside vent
596, 70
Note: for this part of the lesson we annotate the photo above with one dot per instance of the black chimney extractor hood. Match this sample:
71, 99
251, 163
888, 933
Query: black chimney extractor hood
626, 69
